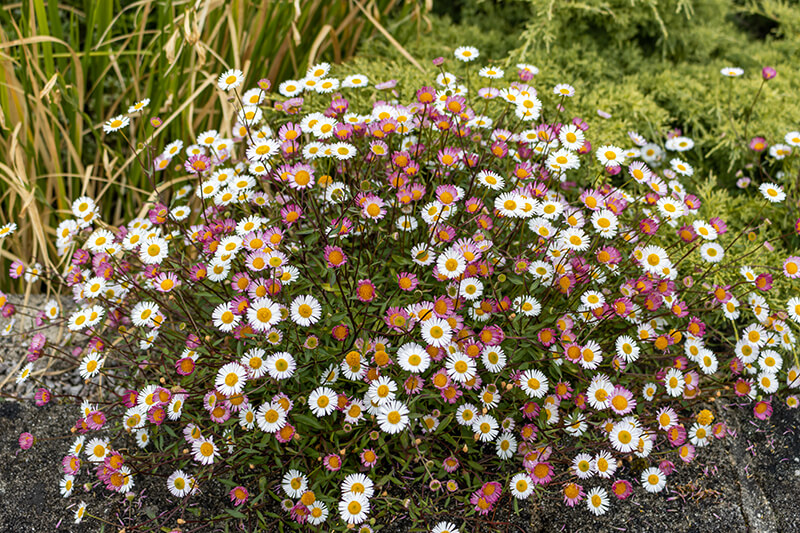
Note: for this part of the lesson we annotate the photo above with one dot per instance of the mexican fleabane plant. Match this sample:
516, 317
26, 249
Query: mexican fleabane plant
357, 294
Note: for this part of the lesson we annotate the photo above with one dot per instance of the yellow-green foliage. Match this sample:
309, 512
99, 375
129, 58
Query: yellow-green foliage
653, 64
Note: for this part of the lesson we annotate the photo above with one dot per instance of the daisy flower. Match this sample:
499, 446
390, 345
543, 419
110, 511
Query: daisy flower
712, 252
679, 144
528, 108
793, 308
625, 437
674, 382
445, 527
699, 435
96, 450
597, 501
153, 250
621, 401
491, 72
143, 313
681, 167
80, 512
466, 53
413, 358
327, 85
465, 414
280, 365
564, 89
491, 180
224, 319
66, 485
521, 486
731, 72
506, 446
116, 123
493, 358
460, 368
290, 88
90, 365
138, 106
451, 264
605, 223
649, 391
393, 417
322, 401
230, 79
530, 69
583, 466
317, 513
262, 314
571, 137
354, 508
24, 373
355, 80
534, 383
486, 427
204, 450
436, 331
767, 381
604, 464
772, 193
271, 417
575, 239
358, 484
671, 208
231, 379
653, 259
178, 483
343, 151
382, 390
610, 156
294, 483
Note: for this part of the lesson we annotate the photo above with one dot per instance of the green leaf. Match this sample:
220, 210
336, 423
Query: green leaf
234, 513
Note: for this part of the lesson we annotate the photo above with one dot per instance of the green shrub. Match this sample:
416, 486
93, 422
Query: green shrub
417, 300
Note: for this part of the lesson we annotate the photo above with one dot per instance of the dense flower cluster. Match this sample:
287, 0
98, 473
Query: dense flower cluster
457, 287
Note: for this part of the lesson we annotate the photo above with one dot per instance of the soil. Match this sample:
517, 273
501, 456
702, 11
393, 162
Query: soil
749, 482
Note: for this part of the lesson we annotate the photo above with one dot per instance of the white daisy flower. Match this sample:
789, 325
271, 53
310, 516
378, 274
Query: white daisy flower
116, 123
263, 313
305, 310
230, 79
597, 501
280, 365
393, 417
354, 508
466, 53
322, 401
231, 379
224, 319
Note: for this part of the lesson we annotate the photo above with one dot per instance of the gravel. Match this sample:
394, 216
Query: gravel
749, 482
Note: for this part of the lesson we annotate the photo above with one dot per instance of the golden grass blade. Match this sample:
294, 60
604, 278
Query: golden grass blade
312, 54
388, 36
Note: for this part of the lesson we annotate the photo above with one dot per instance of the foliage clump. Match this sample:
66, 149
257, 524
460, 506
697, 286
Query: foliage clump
460, 291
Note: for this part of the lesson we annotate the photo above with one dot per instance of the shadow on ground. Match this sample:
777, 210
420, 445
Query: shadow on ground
747, 483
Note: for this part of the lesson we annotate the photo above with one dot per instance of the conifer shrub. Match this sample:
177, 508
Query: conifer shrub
653, 66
